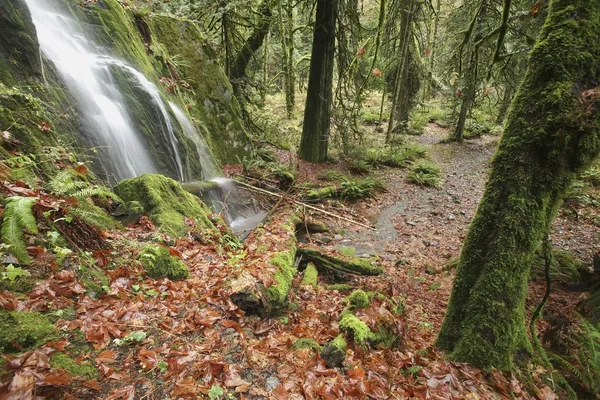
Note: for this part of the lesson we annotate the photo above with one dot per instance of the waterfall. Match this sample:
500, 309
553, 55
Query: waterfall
86, 70
210, 170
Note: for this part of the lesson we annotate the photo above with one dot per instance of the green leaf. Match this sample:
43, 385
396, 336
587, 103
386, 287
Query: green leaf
215, 392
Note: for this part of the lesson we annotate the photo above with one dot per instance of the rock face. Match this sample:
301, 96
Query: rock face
19, 49
170, 52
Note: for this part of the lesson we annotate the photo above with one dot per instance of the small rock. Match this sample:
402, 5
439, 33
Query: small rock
272, 383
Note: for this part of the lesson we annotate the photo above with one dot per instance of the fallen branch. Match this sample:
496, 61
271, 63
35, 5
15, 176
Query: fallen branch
301, 204
346, 265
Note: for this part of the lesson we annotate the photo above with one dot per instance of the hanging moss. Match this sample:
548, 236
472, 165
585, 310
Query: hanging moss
552, 134
159, 263
166, 203
25, 330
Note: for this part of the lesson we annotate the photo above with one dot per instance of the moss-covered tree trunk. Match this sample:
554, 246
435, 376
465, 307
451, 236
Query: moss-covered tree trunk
552, 133
315, 131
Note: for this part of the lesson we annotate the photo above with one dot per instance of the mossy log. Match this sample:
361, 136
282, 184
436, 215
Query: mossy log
340, 264
262, 286
552, 134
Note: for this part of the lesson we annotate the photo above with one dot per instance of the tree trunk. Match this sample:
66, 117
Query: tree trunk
469, 90
552, 134
506, 99
256, 39
403, 67
315, 131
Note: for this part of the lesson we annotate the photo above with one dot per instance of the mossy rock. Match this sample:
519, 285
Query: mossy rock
25, 330
166, 203
19, 48
362, 335
75, 368
334, 353
211, 96
159, 263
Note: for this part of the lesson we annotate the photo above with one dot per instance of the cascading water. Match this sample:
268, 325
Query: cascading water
86, 69
209, 166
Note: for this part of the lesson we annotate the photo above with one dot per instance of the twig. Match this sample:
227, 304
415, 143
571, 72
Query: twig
301, 204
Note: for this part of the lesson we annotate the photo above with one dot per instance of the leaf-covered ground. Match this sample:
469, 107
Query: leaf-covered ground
157, 339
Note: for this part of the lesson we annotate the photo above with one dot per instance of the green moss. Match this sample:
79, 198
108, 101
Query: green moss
347, 251
75, 368
359, 299
357, 329
311, 275
307, 344
278, 292
342, 287
552, 133
339, 342
166, 203
19, 47
159, 263
94, 280
213, 105
25, 330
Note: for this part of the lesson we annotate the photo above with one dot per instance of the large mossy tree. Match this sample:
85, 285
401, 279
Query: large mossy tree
315, 131
552, 134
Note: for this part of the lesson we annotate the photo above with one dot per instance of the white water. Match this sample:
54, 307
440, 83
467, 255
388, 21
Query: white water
85, 67
209, 167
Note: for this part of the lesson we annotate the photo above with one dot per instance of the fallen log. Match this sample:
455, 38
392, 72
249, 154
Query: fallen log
339, 263
264, 281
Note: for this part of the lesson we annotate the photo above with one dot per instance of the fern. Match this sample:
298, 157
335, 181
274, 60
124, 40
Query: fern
64, 183
17, 217
93, 215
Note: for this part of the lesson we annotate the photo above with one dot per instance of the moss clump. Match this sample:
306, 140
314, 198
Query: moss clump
166, 203
73, 367
159, 263
94, 280
357, 329
307, 344
334, 353
278, 292
310, 275
342, 287
23, 330
359, 299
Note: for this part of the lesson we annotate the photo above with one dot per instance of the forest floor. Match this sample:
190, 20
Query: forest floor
157, 339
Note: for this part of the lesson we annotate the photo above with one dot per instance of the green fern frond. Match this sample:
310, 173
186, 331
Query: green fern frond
93, 215
99, 191
18, 216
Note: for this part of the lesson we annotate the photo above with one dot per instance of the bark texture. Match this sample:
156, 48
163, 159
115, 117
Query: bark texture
315, 131
552, 134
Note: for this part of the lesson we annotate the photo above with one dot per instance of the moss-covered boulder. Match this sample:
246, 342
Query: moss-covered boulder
166, 204
19, 48
25, 330
159, 263
362, 335
305, 343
